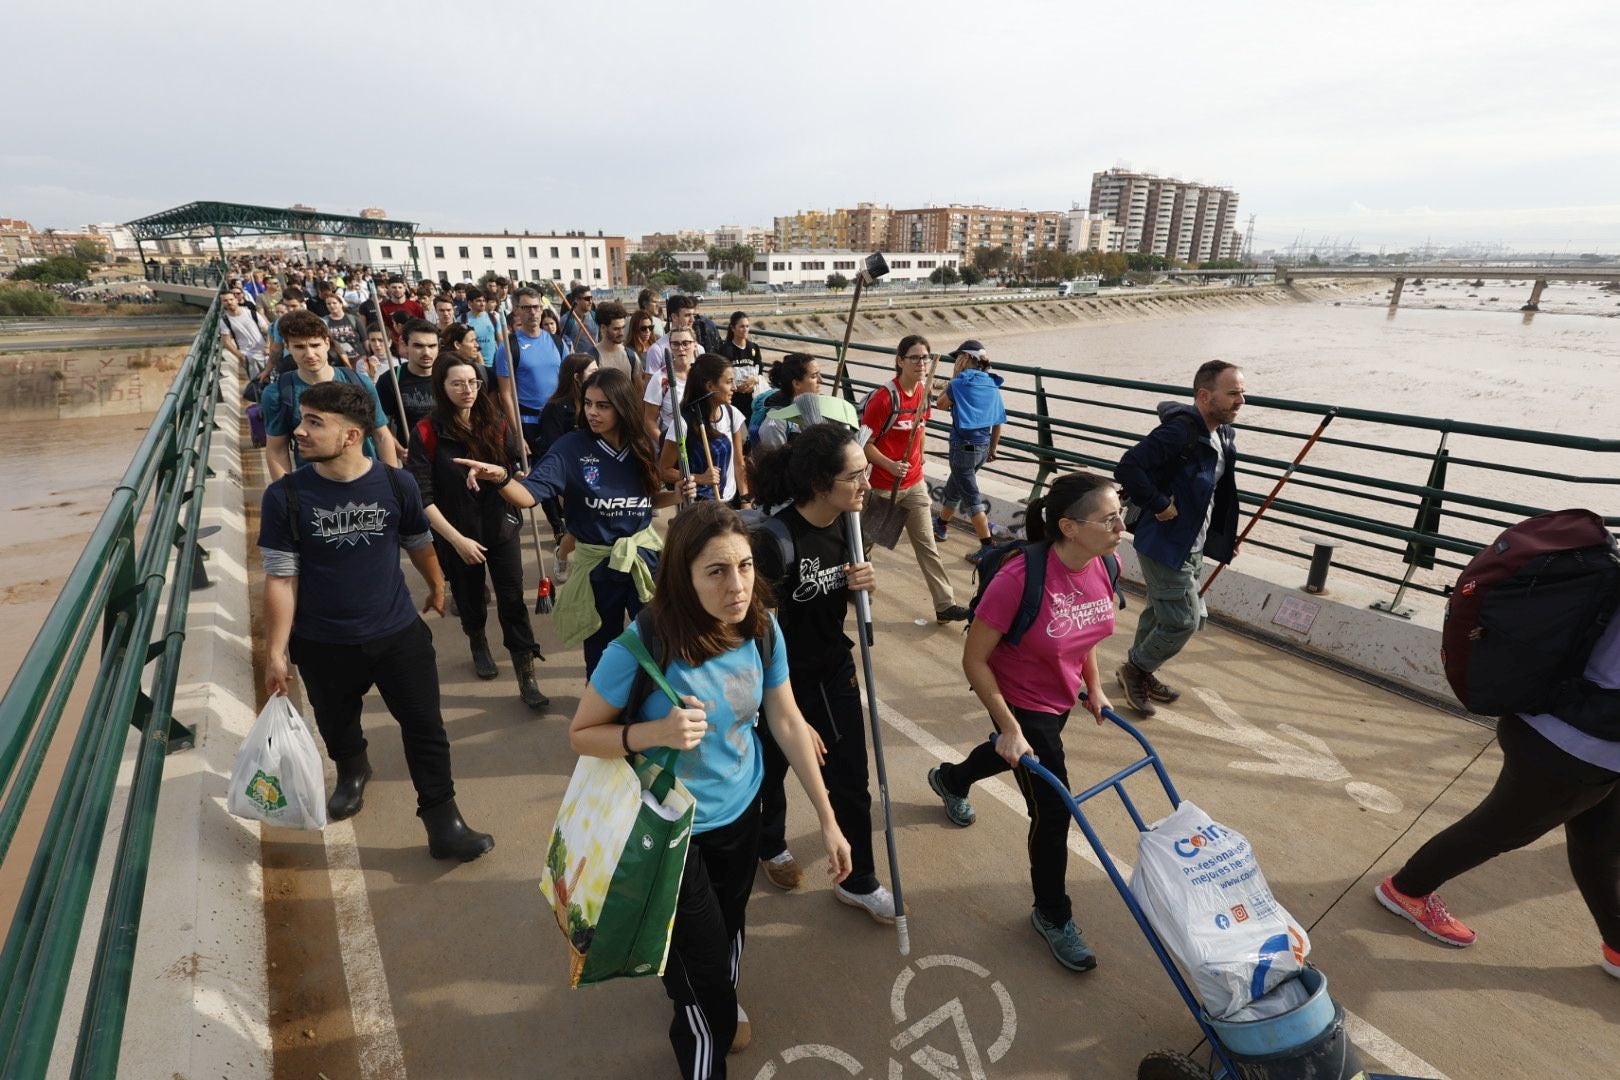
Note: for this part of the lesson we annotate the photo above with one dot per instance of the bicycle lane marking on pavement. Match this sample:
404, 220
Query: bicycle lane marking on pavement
1380, 1045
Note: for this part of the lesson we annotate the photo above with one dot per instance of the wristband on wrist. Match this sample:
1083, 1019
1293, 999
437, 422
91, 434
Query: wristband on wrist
507, 479
624, 737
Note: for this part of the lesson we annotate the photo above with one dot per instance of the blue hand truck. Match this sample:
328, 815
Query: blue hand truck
1329, 1056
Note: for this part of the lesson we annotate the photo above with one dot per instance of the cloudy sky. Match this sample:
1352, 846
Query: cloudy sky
1390, 124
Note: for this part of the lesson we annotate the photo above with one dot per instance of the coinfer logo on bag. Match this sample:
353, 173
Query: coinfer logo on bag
1189, 847
265, 791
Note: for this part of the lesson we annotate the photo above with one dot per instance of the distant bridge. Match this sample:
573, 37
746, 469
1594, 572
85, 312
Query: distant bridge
1540, 275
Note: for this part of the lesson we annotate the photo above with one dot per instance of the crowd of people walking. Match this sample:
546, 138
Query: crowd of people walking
697, 499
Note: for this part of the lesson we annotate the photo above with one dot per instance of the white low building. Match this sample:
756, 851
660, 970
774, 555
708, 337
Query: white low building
597, 260
812, 266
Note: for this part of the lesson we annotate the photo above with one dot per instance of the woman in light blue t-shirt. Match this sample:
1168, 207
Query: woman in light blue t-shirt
723, 654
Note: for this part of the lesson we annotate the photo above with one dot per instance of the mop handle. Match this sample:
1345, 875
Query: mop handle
523, 454
863, 612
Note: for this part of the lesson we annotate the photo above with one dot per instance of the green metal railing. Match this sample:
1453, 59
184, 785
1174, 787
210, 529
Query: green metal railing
1397, 513
137, 566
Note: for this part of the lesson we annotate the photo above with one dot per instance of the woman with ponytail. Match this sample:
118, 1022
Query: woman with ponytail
1029, 687
714, 432
821, 476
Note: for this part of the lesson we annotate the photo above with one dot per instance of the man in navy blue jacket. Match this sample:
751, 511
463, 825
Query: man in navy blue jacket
1183, 477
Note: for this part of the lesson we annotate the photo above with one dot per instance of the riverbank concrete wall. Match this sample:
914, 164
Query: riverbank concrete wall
72, 383
878, 322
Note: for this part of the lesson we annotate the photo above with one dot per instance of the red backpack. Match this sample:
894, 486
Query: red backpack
1525, 613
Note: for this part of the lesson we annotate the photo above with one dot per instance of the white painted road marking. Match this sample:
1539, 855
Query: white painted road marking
381, 1055
931, 1059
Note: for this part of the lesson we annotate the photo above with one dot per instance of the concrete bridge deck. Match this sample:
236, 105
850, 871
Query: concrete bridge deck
384, 963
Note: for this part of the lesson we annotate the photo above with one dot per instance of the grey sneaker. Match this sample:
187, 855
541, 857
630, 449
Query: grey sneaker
958, 809
1065, 942
954, 613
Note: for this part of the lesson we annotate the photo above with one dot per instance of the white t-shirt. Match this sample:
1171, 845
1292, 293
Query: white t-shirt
655, 395
734, 423
244, 330
1209, 511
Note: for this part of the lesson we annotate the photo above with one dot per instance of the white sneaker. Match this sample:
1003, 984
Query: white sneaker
745, 1032
560, 574
879, 903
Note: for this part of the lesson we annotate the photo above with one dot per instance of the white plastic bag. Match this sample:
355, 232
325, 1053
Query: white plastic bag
1202, 889
277, 776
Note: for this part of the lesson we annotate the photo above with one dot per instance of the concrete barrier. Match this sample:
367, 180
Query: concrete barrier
86, 382
1266, 596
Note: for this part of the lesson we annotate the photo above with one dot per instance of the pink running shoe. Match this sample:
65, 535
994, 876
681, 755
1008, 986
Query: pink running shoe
1427, 913
1611, 961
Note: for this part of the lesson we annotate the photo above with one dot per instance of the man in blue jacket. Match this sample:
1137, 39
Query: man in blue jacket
1183, 479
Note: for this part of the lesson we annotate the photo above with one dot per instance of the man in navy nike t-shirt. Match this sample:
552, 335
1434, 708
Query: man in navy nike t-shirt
336, 604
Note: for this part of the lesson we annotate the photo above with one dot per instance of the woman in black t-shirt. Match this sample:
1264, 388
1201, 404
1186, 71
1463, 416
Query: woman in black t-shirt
822, 474
475, 529
745, 359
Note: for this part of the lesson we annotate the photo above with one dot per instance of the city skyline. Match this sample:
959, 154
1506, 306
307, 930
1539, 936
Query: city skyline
1391, 126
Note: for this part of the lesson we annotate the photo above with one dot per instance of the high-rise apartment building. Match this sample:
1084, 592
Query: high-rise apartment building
863, 228
961, 228
1161, 215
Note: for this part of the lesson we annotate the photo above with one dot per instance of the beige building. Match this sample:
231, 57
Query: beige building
960, 229
16, 241
1085, 231
1161, 215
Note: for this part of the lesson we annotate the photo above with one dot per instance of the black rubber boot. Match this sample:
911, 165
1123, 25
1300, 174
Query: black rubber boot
349, 794
449, 837
528, 686
483, 662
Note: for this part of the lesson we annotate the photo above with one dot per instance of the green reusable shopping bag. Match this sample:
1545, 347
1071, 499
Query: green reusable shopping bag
613, 867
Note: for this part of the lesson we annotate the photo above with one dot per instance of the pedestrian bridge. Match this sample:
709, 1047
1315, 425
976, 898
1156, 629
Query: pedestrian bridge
226, 948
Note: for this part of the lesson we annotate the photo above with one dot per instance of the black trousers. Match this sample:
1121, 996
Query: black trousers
405, 671
1049, 819
833, 707
1540, 788
706, 945
504, 563
552, 508
617, 602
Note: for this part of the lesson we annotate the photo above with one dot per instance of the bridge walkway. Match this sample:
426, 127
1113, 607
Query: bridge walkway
385, 963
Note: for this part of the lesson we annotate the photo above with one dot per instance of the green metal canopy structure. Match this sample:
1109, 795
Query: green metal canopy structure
237, 219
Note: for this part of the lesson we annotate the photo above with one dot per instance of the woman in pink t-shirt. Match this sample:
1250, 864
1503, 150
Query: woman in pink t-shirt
1030, 687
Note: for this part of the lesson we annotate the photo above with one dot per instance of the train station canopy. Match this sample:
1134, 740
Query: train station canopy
237, 219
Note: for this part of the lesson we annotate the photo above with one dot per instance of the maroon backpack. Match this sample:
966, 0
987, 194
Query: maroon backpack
1525, 613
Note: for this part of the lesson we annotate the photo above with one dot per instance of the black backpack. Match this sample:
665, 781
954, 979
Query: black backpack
992, 559
641, 686
1526, 612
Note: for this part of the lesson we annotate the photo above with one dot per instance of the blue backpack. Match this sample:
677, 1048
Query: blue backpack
992, 559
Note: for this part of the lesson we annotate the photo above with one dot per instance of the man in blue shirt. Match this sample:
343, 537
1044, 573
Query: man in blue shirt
528, 384
483, 324
308, 340
579, 329
336, 604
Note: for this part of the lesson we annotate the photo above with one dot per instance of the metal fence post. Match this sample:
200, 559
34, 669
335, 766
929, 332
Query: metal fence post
1044, 463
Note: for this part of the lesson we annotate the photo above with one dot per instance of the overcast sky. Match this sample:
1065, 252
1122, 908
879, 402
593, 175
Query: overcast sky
1388, 123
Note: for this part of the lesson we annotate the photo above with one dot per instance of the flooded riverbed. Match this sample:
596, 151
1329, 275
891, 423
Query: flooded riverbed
1554, 372
56, 477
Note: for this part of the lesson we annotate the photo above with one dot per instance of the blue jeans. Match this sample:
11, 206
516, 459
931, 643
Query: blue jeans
962, 488
1173, 614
